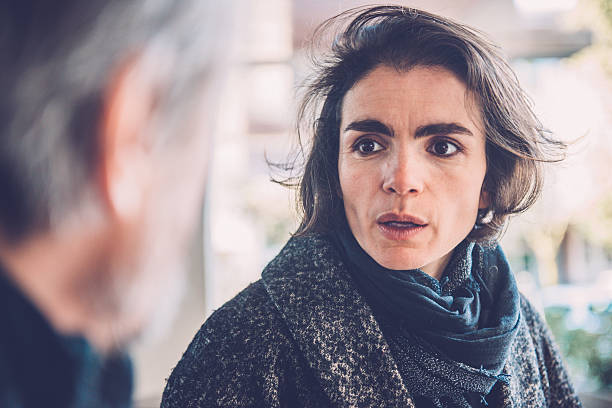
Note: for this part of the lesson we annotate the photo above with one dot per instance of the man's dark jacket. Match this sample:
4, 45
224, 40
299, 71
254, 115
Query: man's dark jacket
41, 368
302, 336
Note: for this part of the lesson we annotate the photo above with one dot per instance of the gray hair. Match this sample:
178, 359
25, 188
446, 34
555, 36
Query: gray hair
57, 60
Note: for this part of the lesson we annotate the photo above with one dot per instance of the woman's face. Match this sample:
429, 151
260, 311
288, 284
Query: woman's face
411, 165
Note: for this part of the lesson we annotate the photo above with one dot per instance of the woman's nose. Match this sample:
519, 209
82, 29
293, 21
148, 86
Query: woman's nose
404, 176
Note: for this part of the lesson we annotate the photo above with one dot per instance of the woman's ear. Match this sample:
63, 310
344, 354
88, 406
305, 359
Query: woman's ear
125, 154
484, 202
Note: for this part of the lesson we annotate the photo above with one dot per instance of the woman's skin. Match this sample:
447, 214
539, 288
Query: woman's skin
411, 166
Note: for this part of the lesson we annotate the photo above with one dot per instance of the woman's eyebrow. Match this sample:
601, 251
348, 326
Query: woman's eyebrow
376, 126
370, 125
441, 129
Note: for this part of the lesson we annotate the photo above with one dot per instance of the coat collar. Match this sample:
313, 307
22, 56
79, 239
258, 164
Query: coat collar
332, 324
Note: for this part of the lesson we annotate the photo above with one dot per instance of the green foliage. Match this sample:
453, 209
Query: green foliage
587, 350
596, 16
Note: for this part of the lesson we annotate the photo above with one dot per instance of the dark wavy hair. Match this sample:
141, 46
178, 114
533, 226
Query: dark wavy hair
403, 38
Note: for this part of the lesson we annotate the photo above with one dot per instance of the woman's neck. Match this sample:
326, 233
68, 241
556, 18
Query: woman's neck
436, 268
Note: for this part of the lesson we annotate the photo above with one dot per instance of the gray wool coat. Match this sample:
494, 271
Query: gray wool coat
302, 336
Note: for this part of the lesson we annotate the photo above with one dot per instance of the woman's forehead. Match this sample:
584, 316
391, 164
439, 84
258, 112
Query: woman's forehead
410, 98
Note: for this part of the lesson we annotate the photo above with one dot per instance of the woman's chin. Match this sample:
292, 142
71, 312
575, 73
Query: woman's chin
399, 261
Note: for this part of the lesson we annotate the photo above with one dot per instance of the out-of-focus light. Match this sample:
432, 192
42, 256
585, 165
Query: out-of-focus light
544, 6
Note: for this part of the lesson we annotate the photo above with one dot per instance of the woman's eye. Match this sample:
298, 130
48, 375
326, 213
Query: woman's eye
444, 148
368, 146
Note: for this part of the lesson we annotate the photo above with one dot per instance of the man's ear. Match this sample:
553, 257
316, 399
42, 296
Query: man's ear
125, 154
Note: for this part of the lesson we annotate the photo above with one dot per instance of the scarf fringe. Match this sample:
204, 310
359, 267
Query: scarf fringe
503, 377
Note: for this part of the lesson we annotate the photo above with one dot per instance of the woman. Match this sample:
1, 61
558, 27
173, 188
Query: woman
393, 291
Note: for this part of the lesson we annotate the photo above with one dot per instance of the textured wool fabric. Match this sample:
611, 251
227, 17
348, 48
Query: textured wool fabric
434, 381
41, 368
303, 336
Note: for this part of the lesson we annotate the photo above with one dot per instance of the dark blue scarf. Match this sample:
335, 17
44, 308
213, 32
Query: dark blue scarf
466, 321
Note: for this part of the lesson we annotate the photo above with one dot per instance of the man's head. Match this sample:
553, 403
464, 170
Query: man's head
104, 115
403, 39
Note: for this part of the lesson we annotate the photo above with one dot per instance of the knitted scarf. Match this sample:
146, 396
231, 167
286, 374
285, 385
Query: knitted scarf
460, 327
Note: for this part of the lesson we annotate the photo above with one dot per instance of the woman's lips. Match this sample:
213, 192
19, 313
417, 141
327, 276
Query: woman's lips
400, 227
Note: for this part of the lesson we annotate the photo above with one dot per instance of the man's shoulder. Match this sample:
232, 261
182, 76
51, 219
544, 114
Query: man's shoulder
8, 392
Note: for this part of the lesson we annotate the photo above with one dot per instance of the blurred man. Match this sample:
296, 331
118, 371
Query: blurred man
103, 149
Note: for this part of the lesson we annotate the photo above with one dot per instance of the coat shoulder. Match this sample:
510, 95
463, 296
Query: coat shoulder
532, 316
554, 380
229, 356
250, 312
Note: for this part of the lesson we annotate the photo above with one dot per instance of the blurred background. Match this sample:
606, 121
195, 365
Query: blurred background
561, 250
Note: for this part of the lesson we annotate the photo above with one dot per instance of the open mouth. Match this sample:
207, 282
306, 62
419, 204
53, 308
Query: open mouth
400, 227
402, 224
